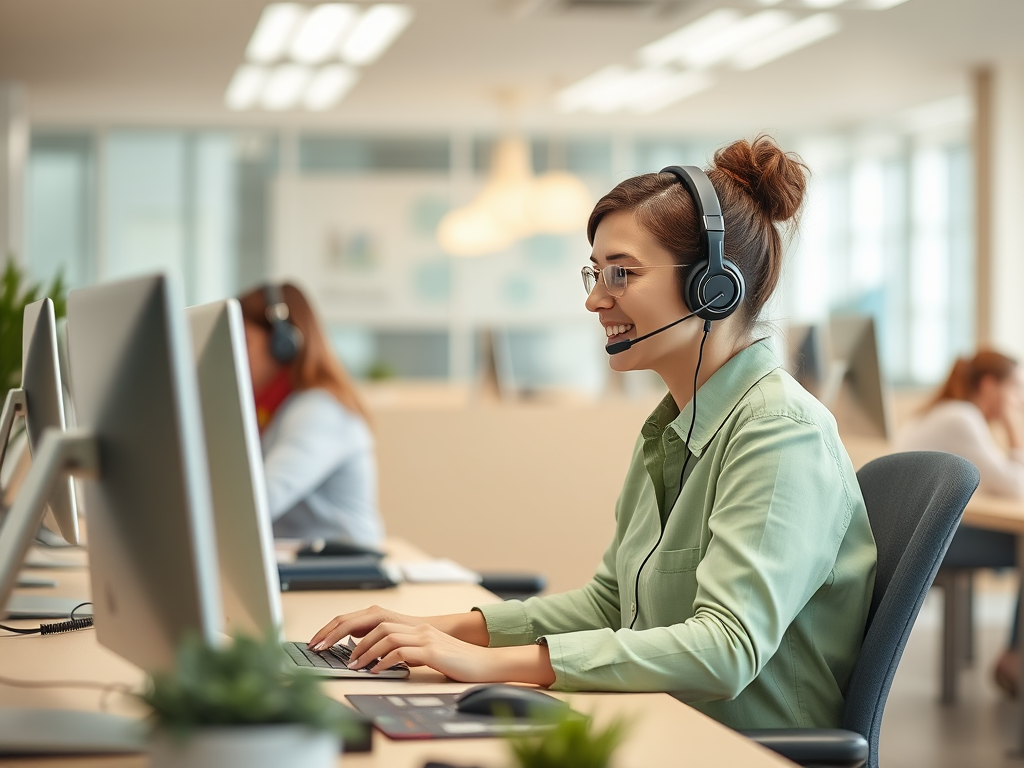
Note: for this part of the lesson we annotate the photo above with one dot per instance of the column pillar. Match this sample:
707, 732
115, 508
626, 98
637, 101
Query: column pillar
999, 197
13, 158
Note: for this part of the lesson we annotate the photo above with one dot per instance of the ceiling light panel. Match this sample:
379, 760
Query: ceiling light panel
735, 38
284, 87
318, 36
674, 47
245, 88
329, 86
793, 38
598, 87
823, 3
273, 32
884, 5
374, 32
668, 90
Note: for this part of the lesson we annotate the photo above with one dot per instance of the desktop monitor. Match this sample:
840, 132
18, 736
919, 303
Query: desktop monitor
245, 539
808, 358
861, 402
39, 401
152, 552
140, 452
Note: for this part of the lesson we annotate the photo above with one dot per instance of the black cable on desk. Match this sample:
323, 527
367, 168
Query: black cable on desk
70, 625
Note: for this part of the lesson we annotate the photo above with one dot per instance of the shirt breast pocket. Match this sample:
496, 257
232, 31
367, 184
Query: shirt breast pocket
676, 560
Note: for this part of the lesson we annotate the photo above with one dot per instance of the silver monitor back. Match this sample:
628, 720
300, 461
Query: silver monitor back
152, 552
862, 402
44, 405
245, 539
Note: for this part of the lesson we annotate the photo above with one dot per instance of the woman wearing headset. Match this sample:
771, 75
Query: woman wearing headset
318, 450
741, 570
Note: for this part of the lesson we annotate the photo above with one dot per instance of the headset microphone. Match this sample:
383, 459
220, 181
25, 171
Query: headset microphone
622, 346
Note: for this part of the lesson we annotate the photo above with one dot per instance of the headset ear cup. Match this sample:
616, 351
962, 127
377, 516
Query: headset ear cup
285, 341
702, 287
691, 294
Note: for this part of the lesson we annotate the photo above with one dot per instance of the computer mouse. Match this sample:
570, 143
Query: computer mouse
499, 699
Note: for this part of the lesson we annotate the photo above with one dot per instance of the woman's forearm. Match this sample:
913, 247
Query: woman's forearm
524, 664
469, 627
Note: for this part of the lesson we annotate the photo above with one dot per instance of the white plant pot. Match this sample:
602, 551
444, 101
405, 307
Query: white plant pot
283, 745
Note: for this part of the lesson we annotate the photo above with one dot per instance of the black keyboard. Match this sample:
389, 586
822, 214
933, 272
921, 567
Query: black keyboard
304, 657
336, 657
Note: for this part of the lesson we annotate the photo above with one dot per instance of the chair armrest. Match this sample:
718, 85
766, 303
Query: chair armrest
518, 586
814, 746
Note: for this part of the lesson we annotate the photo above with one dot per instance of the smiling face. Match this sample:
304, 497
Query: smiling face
652, 297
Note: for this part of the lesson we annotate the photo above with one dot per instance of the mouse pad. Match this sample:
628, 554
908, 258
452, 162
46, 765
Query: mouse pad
433, 716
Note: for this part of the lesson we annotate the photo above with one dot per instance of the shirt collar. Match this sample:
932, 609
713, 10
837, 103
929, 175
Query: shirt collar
716, 398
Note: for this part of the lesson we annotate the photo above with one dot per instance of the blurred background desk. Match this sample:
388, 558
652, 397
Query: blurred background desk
662, 730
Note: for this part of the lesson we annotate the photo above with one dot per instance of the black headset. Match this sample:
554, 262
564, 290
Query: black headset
714, 285
285, 338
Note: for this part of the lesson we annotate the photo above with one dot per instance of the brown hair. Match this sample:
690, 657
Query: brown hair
758, 186
316, 365
965, 377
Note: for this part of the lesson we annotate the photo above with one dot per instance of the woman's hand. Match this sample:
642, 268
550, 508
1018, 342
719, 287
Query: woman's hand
359, 624
468, 627
426, 645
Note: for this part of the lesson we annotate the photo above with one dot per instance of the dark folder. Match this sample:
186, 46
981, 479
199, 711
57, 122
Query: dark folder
326, 573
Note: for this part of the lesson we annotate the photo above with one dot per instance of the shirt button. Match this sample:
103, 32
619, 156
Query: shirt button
632, 608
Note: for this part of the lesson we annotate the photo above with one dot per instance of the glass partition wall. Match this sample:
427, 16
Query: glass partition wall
887, 230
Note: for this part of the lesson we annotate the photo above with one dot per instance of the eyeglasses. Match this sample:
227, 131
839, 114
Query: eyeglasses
614, 276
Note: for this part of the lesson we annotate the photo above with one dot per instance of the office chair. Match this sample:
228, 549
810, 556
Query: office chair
914, 502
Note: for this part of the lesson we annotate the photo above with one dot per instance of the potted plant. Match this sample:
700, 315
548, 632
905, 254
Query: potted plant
571, 742
15, 294
238, 706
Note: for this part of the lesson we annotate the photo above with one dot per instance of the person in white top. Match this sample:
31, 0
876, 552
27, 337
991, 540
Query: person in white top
318, 450
981, 392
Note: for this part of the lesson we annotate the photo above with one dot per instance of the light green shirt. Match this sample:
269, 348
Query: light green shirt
752, 607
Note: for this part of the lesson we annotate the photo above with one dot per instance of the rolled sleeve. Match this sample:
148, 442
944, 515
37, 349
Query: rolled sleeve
507, 624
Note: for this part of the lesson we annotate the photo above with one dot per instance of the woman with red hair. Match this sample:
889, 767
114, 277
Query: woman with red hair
980, 392
318, 450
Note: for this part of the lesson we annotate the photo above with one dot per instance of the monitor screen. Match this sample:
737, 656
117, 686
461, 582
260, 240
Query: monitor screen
861, 404
152, 552
43, 408
245, 538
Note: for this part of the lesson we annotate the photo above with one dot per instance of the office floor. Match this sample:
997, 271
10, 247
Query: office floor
977, 732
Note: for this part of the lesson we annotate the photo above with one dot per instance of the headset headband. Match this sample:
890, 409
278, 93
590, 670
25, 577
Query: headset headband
709, 213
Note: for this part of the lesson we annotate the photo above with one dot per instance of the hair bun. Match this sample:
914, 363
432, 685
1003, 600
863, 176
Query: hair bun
774, 179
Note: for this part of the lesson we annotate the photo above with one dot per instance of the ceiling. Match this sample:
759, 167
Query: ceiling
168, 62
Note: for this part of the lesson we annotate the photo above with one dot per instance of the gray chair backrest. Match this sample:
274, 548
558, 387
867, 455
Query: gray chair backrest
914, 502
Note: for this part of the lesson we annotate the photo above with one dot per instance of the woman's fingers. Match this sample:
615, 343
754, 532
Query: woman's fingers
412, 656
371, 638
379, 642
357, 623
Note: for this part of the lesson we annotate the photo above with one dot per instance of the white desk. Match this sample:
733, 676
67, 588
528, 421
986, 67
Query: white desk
664, 730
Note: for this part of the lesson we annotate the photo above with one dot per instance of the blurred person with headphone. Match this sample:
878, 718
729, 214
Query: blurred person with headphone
318, 450
741, 570
981, 392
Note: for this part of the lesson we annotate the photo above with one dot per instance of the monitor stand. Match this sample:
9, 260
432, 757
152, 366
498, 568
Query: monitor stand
68, 732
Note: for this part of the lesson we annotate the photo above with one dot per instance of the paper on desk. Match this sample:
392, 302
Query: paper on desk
441, 571
56, 557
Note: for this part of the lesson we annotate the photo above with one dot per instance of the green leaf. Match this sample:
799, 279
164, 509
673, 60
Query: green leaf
244, 683
571, 742
15, 294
